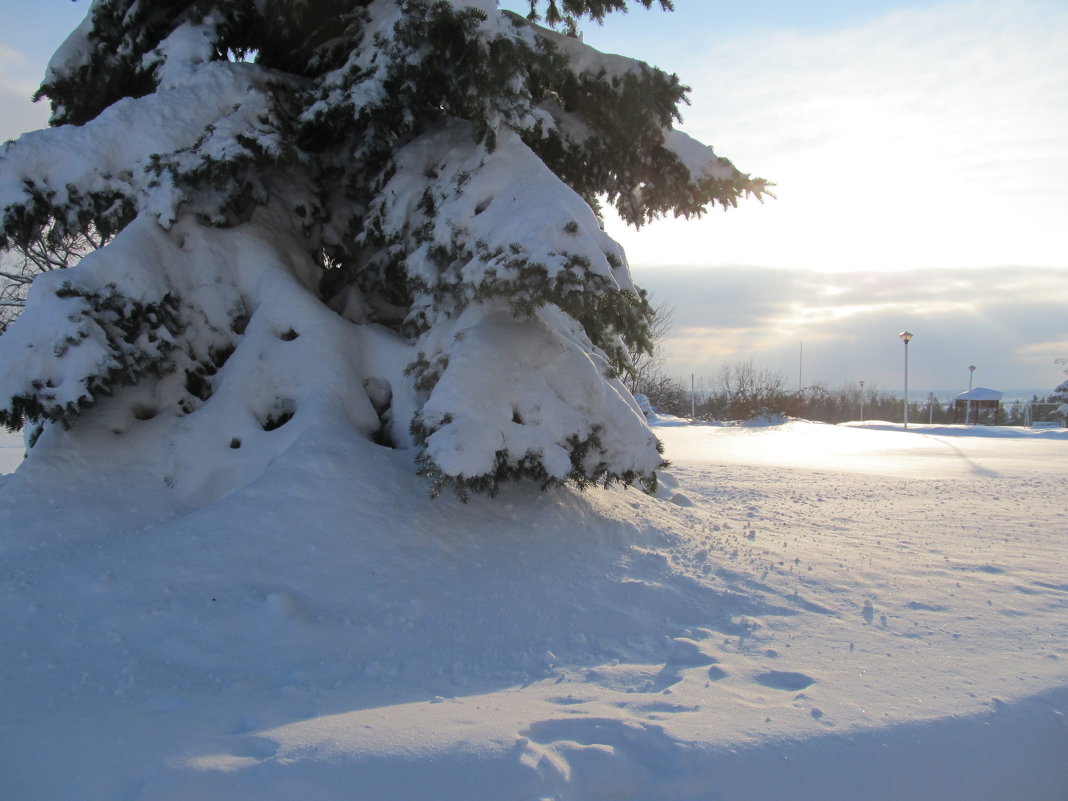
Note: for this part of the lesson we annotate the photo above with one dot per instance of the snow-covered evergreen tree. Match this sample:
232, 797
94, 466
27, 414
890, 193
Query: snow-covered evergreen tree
379, 212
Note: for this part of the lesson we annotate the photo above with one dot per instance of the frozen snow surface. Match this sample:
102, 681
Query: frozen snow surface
803, 612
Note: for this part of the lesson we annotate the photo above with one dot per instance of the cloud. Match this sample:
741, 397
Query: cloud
1009, 320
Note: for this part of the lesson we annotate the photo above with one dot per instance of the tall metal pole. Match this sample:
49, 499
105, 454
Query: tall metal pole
906, 385
968, 411
862, 401
693, 402
906, 337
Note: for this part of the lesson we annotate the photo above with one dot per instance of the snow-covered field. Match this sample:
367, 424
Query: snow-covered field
805, 612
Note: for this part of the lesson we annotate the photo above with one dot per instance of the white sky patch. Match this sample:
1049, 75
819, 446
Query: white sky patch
13, 67
925, 137
708, 345
1045, 352
10, 59
19, 113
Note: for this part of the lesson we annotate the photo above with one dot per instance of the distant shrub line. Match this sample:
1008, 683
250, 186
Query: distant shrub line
742, 392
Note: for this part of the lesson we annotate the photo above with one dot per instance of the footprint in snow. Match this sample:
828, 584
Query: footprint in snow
283, 604
567, 700
604, 758
684, 652
868, 611
926, 607
784, 680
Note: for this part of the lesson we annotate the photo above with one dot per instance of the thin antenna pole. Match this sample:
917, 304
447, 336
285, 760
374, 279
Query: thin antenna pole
693, 401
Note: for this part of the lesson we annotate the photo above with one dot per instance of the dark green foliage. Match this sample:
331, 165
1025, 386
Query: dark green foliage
140, 339
567, 12
425, 372
587, 468
615, 321
43, 219
624, 158
299, 37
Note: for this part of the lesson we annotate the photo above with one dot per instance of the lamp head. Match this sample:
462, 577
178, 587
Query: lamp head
905, 336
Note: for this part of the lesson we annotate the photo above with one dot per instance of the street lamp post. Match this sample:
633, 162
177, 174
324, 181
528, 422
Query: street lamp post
968, 411
906, 337
862, 401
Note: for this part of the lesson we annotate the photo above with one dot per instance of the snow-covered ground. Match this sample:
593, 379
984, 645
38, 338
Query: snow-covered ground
805, 612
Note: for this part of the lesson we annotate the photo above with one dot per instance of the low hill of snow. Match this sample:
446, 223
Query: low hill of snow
803, 612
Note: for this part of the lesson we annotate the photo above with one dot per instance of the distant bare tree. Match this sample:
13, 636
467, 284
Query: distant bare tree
48, 251
647, 376
647, 366
751, 391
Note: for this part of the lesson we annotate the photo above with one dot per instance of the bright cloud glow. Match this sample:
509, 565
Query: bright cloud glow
926, 137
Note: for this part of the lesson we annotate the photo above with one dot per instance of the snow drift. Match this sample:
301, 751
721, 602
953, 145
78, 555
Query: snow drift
785, 625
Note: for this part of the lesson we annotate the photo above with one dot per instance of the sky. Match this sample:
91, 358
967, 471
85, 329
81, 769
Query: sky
920, 163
